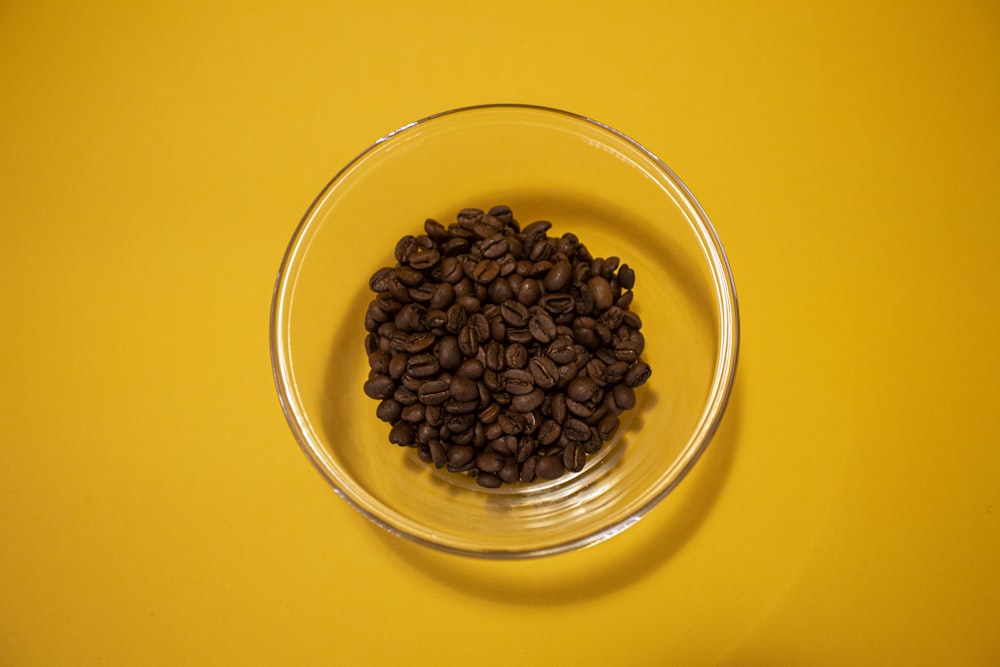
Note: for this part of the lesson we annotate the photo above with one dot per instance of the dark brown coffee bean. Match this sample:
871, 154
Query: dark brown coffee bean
514, 313
581, 388
409, 317
434, 392
442, 296
637, 374
454, 407
397, 365
456, 317
626, 276
595, 371
542, 327
489, 461
500, 290
625, 300
493, 431
488, 480
451, 270
489, 414
578, 408
468, 341
536, 227
418, 342
470, 368
510, 472
405, 247
587, 337
528, 402
576, 430
494, 356
519, 335
493, 381
562, 350
424, 259
608, 426
371, 343
389, 410
559, 276
516, 355
549, 467
502, 213
458, 456
378, 361
438, 452
610, 265
510, 423
402, 434
413, 413
559, 408
529, 292
380, 386
493, 246
463, 389
518, 381
528, 469
632, 320
448, 354
574, 457
409, 276
526, 446
543, 371
485, 271
468, 217
423, 365
404, 396
549, 432
379, 282
557, 304
623, 396
426, 431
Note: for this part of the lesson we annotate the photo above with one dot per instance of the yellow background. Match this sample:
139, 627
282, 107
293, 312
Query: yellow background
154, 160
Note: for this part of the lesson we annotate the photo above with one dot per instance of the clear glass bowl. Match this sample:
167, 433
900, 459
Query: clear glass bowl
584, 177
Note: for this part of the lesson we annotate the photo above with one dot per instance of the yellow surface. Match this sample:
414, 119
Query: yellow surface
154, 159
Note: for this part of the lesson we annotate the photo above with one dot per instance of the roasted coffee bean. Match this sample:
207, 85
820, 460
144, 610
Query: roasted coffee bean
410, 382
418, 342
594, 443
549, 467
528, 469
449, 356
493, 431
562, 350
489, 461
559, 276
434, 415
549, 432
498, 330
488, 480
559, 408
626, 276
435, 321
470, 368
402, 434
434, 392
519, 335
424, 259
529, 292
581, 388
454, 407
511, 423
412, 413
494, 356
485, 271
625, 300
469, 303
528, 402
557, 303
389, 410
537, 227
595, 371
500, 290
542, 327
438, 452
543, 371
458, 456
468, 341
510, 471
623, 396
451, 270
397, 365
404, 396
514, 313
579, 408
423, 365
574, 457
518, 381
494, 381
489, 414
409, 276
405, 247
526, 446
503, 214
615, 372
576, 430
426, 432
379, 282
516, 355
371, 343
380, 386
540, 252
608, 426
442, 297
630, 319
505, 445
637, 374
463, 389
493, 246
460, 423
378, 362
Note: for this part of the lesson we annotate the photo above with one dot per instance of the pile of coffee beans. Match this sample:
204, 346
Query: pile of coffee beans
502, 352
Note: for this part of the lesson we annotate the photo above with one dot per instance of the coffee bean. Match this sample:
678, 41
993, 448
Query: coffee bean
514, 313
468, 341
470, 368
608, 426
485, 271
559, 408
637, 374
632, 320
454, 407
579, 408
418, 342
558, 277
380, 386
528, 402
389, 410
379, 282
581, 388
511, 423
537, 227
488, 480
518, 381
529, 292
516, 355
500, 290
460, 455
463, 389
519, 335
549, 467
557, 304
562, 350
542, 326
574, 457
402, 434
626, 276
493, 246
424, 259
489, 461
494, 356
412, 413
543, 371
423, 365
434, 392
510, 472
404, 396
503, 214
576, 430
409, 276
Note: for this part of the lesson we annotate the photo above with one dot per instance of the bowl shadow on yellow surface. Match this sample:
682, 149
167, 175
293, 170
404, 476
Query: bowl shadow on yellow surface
601, 569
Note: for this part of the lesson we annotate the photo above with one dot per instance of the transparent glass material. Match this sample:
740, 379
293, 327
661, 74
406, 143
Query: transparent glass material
584, 177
